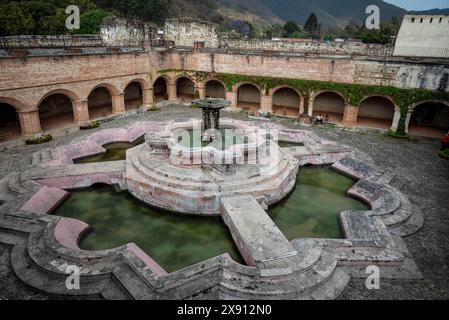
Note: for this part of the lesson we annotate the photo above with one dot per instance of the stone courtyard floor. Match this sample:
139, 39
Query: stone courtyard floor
421, 175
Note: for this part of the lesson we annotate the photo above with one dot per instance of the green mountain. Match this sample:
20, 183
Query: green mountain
331, 12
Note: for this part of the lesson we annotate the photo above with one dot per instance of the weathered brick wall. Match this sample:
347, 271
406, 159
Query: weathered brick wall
29, 80
403, 74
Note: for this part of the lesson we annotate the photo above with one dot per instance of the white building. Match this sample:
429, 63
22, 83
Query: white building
423, 36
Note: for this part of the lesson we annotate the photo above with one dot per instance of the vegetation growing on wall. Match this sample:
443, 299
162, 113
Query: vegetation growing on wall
404, 99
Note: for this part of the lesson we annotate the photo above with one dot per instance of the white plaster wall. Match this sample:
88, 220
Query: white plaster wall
426, 77
423, 39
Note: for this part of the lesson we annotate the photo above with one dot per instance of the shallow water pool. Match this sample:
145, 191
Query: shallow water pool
177, 241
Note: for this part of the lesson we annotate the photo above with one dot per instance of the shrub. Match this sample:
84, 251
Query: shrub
91, 125
39, 140
398, 135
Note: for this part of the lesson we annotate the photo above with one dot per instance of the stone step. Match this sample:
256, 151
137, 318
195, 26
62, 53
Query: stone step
259, 240
133, 283
330, 289
402, 214
294, 286
411, 225
14, 184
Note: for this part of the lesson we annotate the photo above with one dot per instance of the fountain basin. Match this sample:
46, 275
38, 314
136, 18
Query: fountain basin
193, 179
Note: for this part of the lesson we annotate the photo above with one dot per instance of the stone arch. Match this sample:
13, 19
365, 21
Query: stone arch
215, 89
100, 100
56, 109
185, 88
68, 93
160, 88
380, 112
10, 127
108, 86
428, 118
16, 103
286, 101
142, 82
133, 95
248, 96
330, 104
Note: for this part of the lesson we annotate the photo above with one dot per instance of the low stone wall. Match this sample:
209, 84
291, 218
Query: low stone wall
352, 48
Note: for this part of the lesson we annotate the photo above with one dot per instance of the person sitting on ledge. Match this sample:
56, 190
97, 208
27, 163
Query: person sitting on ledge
445, 141
319, 119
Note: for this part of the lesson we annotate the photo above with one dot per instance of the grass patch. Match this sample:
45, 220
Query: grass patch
39, 140
402, 136
91, 125
444, 154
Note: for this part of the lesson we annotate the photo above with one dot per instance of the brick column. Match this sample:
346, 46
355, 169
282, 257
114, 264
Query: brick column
201, 90
350, 115
310, 105
147, 97
232, 96
266, 103
80, 111
118, 103
30, 123
171, 90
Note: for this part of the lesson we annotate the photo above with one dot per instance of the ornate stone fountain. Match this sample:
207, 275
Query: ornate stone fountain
211, 116
194, 178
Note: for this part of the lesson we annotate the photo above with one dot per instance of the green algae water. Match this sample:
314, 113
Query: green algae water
178, 241
313, 207
286, 144
114, 152
173, 241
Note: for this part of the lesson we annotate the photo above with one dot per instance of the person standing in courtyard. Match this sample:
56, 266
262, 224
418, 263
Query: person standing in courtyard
319, 119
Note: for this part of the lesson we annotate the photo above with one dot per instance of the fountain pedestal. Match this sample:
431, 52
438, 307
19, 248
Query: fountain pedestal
211, 116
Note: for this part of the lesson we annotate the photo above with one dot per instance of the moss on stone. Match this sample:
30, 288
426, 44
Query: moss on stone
39, 140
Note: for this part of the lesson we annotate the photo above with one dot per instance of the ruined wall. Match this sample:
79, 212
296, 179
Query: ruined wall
309, 46
423, 36
120, 32
185, 32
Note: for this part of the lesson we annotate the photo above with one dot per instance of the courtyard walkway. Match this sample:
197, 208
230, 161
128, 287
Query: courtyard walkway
421, 175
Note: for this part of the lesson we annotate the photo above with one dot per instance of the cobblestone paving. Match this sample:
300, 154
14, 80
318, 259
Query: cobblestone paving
421, 175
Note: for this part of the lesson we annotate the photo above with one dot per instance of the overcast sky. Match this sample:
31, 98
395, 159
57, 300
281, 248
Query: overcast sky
420, 4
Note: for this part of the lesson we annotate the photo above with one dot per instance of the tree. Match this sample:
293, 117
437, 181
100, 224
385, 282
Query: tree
312, 27
291, 27
90, 21
14, 21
